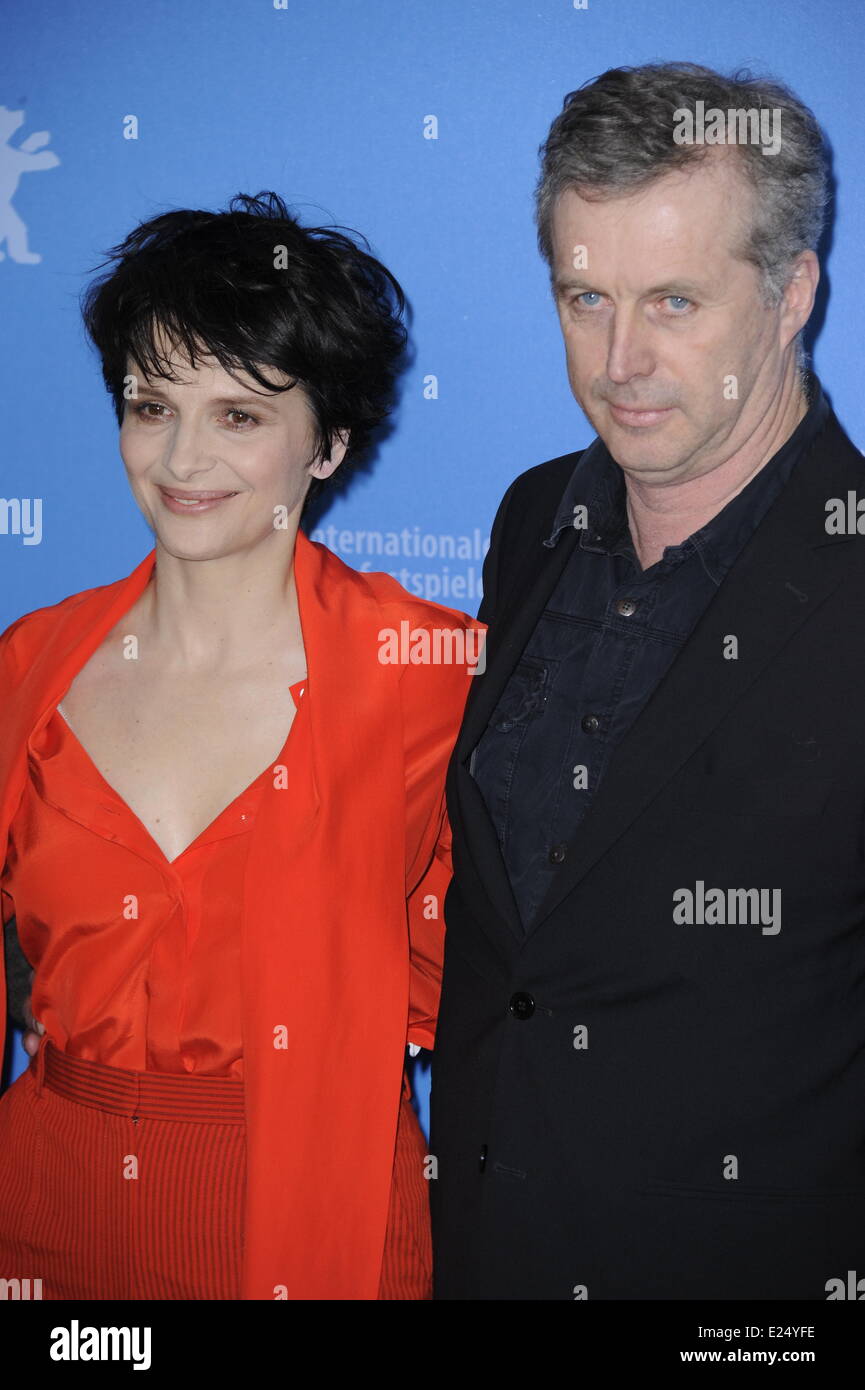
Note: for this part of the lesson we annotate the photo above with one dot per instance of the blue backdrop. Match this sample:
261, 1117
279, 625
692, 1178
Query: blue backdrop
331, 103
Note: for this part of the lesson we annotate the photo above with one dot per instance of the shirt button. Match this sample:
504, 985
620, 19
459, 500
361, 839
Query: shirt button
521, 1005
557, 854
625, 607
590, 723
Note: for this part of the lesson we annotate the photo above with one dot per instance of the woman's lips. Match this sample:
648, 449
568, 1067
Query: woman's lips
182, 503
639, 418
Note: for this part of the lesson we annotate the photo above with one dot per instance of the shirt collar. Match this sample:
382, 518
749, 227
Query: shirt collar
594, 498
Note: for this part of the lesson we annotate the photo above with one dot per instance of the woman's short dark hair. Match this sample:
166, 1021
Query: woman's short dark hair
253, 288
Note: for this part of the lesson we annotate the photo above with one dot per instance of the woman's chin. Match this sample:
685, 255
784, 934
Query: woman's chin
195, 547
206, 544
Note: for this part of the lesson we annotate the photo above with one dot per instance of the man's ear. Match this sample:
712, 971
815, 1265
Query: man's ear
799, 295
325, 467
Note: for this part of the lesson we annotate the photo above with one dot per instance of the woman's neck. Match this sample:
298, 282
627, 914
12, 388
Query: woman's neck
224, 613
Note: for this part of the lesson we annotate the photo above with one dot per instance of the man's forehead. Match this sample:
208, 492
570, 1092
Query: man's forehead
664, 231
677, 200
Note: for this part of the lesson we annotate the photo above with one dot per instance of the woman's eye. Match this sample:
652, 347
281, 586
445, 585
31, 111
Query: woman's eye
237, 419
144, 406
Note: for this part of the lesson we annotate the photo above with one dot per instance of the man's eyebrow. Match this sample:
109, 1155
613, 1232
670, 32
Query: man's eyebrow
561, 284
674, 285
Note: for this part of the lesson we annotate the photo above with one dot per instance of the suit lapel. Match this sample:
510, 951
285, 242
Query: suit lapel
506, 641
535, 579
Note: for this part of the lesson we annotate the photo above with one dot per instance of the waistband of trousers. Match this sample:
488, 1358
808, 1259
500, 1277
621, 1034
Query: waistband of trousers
139, 1094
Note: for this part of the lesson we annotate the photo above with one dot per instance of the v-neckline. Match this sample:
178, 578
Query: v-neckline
247, 790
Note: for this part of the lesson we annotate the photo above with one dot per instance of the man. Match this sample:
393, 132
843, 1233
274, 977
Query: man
649, 1076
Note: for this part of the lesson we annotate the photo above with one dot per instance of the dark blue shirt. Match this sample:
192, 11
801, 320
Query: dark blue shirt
607, 637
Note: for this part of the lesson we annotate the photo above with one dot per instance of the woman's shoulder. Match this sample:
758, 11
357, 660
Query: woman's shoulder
395, 604
436, 648
400, 605
33, 629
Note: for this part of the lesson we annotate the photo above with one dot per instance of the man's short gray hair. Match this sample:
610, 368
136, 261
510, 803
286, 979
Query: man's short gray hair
615, 135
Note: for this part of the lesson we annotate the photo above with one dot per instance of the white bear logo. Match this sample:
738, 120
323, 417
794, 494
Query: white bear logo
15, 161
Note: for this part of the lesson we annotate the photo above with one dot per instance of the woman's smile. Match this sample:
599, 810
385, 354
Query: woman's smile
180, 500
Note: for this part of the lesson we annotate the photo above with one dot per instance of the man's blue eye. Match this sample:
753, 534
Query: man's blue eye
678, 301
588, 294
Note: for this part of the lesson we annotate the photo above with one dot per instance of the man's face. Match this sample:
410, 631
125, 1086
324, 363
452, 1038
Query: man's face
663, 316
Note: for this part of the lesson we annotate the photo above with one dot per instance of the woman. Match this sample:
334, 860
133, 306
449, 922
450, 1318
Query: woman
221, 809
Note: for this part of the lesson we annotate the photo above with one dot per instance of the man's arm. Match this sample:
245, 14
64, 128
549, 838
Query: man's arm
491, 561
19, 985
18, 977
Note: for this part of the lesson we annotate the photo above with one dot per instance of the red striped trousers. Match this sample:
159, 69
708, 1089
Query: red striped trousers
129, 1185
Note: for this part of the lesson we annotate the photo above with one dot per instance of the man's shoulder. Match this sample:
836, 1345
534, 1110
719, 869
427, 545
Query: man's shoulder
533, 498
547, 479
834, 439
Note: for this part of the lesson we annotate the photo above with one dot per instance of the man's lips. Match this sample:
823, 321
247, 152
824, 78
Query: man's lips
639, 416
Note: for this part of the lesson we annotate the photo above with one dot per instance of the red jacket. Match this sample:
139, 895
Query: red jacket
342, 917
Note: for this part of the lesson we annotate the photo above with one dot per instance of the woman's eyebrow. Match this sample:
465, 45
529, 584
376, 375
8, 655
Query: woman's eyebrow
260, 402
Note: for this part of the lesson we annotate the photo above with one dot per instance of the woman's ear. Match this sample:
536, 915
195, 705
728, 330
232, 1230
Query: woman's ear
325, 467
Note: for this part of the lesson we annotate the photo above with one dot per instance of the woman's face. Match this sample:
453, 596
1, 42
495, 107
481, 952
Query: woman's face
216, 465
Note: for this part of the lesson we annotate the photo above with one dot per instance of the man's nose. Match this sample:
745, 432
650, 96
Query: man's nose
630, 350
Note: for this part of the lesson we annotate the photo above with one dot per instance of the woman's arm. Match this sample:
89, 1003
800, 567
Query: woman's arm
426, 940
17, 968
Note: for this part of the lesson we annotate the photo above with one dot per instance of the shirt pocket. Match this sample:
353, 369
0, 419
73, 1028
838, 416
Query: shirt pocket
494, 760
523, 696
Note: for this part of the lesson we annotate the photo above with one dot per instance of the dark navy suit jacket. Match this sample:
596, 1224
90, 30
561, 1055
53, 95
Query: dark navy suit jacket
626, 1106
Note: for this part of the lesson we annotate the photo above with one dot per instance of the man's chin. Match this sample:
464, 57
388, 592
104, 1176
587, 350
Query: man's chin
648, 451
